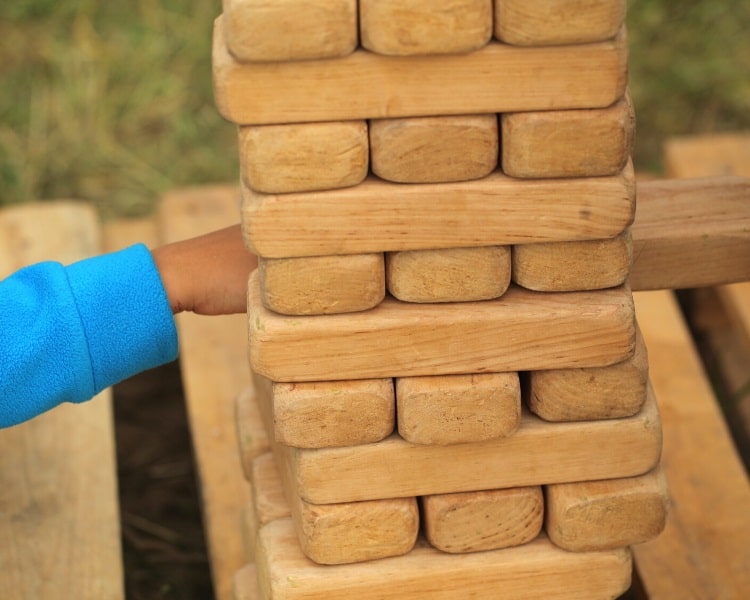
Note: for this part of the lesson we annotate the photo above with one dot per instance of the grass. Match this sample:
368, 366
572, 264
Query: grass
111, 102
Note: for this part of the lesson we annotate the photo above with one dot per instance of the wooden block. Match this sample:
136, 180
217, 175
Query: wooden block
377, 216
434, 149
448, 275
251, 435
551, 22
696, 556
603, 515
537, 453
284, 30
708, 155
245, 583
477, 521
452, 409
364, 85
285, 574
691, 233
409, 27
322, 285
568, 143
340, 413
590, 394
521, 331
278, 159
573, 266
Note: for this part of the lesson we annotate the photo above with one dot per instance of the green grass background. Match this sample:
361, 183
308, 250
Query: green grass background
111, 101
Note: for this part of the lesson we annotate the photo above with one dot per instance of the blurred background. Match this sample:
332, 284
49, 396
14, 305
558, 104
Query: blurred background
111, 102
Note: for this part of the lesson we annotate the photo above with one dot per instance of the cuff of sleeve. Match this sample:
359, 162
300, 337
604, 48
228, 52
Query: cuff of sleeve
125, 312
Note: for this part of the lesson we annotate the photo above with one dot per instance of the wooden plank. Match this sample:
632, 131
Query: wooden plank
303, 157
59, 510
691, 233
251, 435
285, 574
604, 515
573, 266
453, 409
708, 155
568, 143
543, 22
364, 85
322, 285
282, 30
448, 275
479, 521
377, 216
589, 394
697, 556
399, 28
521, 331
214, 371
537, 453
434, 149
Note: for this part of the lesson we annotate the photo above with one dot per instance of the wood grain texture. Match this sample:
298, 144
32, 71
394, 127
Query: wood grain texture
251, 435
695, 557
453, 409
285, 30
568, 143
573, 266
691, 233
448, 275
479, 521
589, 394
303, 157
708, 155
603, 515
364, 85
537, 453
322, 285
521, 331
434, 149
285, 574
411, 27
543, 22
59, 511
377, 216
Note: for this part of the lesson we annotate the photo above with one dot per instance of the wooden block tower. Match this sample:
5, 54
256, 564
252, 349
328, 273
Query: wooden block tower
446, 358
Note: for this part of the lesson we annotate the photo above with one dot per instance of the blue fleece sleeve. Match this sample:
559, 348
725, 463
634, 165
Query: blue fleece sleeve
66, 333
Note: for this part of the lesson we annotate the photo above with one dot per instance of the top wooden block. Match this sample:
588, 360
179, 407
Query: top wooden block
363, 85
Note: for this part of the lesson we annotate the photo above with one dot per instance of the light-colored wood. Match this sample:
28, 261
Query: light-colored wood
377, 216
448, 275
434, 149
409, 27
245, 583
589, 394
213, 357
521, 331
573, 266
543, 22
345, 532
333, 413
691, 233
568, 143
708, 155
322, 285
303, 157
603, 515
364, 85
477, 521
59, 511
537, 453
452, 409
284, 30
702, 552
251, 435
285, 574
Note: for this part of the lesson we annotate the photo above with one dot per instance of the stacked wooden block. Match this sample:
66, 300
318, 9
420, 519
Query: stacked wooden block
443, 340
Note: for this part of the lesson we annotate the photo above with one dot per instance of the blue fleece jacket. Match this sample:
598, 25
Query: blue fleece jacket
66, 333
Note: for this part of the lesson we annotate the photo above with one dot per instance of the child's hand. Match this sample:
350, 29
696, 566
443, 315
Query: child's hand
208, 274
